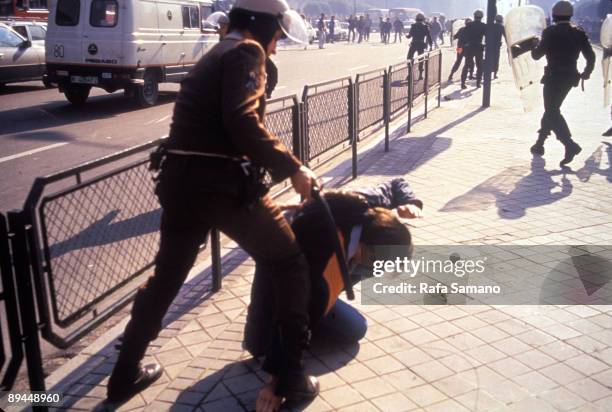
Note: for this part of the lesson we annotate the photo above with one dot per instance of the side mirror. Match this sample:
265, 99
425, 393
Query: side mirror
26, 44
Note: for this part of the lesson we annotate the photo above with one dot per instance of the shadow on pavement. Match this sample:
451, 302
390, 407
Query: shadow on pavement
20, 88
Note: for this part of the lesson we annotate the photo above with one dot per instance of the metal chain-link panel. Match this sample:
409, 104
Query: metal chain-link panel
97, 236
327, 120
398, 85
280, 122
433, 69
371, 94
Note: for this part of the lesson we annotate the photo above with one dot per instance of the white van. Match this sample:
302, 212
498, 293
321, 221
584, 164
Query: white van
124, 44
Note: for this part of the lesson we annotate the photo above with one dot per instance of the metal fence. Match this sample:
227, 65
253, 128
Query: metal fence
78, 250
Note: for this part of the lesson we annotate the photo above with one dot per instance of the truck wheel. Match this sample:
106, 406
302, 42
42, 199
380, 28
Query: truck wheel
147, 94
77, 94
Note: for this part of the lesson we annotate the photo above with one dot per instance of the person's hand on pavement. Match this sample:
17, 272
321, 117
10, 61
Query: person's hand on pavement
409, 212
303, 181
267, 401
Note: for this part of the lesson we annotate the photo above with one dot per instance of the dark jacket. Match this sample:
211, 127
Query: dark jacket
221, 105
562, 44
460, 37
497, 33
419, 33
474, 33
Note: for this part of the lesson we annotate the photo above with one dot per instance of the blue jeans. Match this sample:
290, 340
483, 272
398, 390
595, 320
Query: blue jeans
343, 324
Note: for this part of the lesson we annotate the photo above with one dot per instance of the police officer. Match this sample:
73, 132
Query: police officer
497, 33
211, 178
472, 48
562, 44
460, 37
421, 38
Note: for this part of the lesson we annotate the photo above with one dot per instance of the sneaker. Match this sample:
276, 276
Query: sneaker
571, 150
120, 390
478, 84
298, 387
537, 149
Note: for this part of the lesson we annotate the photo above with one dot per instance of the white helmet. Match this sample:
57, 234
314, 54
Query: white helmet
217, 19
563, 8
478, 14
289, 20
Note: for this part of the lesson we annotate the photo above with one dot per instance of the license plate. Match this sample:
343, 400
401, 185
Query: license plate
84, 79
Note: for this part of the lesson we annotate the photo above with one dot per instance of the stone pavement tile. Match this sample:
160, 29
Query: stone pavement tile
403, 379
360, 407
535, 338
368, 351
561, 373
419, 336
427, 319
482, 377
432, 371
395, 402
507, 392
151, 393
464, 341
605, 378
330, 380
401, 325
219, 392
448, 405
560, 350
511, 346
587, 344
173, 371
355, 372
340, 397
479, 400
584, 326
180, 384
425, 395
438, 349
450, 313
383, 365
562, 332
485, 354
378, 331
459, 362
532, 404
589, 389
562, 399
383, 315
136, 403
535, 382
393, 344
373, 387
318, 405
605, 404
222, 405
191, 398
489, 333
586, 364
535, 359
454, 385
603, 320
173, 356
159, 406
193, 337
243, 383
444, 330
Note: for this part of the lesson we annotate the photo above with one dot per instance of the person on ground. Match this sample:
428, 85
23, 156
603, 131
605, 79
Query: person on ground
562, 43
211, 177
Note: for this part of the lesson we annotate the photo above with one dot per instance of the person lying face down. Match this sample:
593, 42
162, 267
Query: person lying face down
365, 218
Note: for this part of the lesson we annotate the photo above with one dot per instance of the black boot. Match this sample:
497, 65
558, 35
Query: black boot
463, 86
538, 148
124, 384
297, 387
571, 150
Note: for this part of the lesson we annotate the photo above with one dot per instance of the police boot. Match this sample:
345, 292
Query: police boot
124, 384
463, 86
538, 148
608, 133
450, 78
293, 383
571, 150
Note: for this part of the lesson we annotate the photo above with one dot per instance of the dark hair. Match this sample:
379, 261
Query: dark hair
561, 18
262, 26
385, 229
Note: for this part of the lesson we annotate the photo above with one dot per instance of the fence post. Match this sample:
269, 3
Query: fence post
298, 150
410, 93
426, 83
215, 255
356, 107
27, 305
352, 125
440, 80
386, 107
304, 121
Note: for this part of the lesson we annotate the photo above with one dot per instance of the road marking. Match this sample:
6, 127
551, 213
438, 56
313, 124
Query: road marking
358, 67
31, 152
163, 118
280, 87
332, 54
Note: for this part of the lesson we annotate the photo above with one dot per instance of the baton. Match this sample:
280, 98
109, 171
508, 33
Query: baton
330, 223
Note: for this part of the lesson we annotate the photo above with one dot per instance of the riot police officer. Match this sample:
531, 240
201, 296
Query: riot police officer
497, 34
472, 48
421, 38
562, 44
211, 177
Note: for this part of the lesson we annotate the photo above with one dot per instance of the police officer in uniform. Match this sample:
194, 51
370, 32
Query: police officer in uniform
472, 48
562, 44
460, 37
497, 34
211, 174
421, 38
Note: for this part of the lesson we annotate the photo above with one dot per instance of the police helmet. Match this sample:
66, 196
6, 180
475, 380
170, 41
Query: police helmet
563, 8
217, 19
499, 18
289, 20
420, 17
478, 14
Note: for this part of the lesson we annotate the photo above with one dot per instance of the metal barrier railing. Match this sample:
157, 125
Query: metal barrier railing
328, 116
78, 250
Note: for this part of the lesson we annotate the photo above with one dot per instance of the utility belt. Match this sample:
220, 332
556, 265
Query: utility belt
211, 172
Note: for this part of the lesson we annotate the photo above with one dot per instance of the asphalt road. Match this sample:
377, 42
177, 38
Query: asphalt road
41, 133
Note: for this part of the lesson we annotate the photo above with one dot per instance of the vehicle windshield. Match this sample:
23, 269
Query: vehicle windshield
68, 12
103, 13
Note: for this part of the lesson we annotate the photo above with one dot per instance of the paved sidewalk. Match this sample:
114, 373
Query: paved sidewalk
480, 186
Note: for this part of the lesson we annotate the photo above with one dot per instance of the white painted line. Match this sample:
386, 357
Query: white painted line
332, 54
358, 67
163, 118
280, 87
31, 152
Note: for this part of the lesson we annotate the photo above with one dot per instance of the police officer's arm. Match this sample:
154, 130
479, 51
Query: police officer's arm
243, 86
589, 56
540, 49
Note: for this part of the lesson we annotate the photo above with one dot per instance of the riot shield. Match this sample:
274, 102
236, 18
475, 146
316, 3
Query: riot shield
524, 26
606, 43
457, 25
